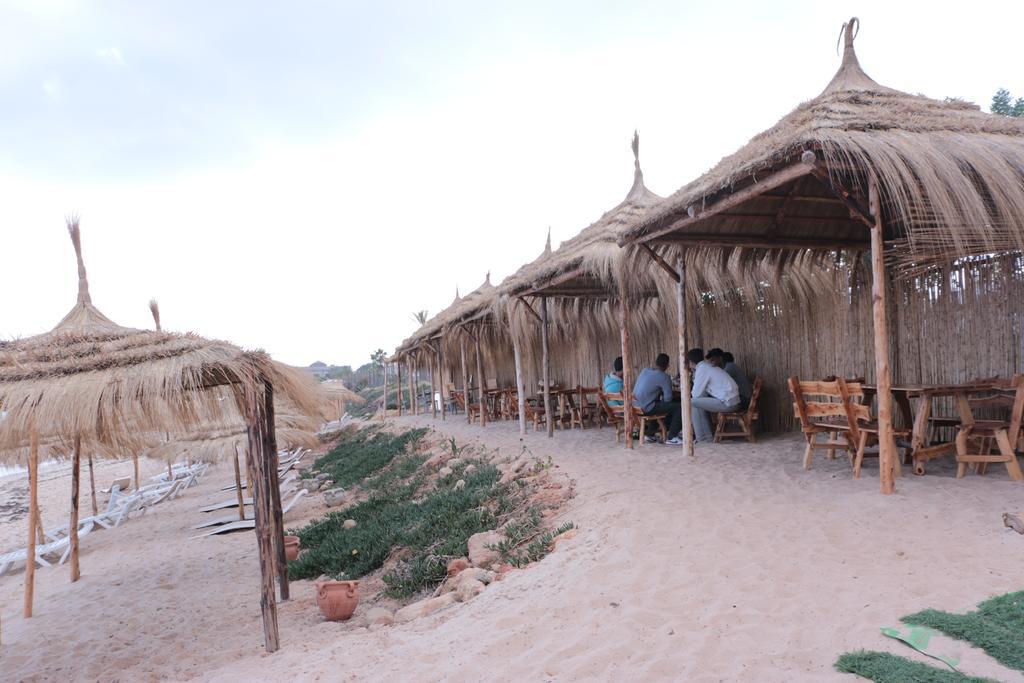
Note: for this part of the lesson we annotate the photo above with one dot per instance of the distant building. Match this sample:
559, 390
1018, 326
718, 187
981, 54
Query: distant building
318, 369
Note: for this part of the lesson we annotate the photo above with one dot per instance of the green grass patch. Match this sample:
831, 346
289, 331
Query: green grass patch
884, 667
361, 453
434, 525
429, 523
997, 627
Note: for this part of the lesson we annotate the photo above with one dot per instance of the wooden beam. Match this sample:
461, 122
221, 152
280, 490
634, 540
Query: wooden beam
844, 195
761, 242
238, 487
556, 280
135, 463
528, 307
433, 390
92, 486
76, 471
546, 359
627, 369
480, 382
33, 521
255, 456
672, 223
384, 402
270, 466
661, 262
883, 378
846, 218
465, 379
520, 389
684, 372
398, 385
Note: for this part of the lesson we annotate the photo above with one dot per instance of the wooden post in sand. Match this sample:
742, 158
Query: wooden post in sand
238, 487
398, 385
465, 378
92, 485
76, 469
480, 381
440, 380
33, 521
684, 373
255, 456
883, 378
384, 402
170, 471
545, 359
433, 390
627, 368
520, 389
413, 408
270, 467
135, 463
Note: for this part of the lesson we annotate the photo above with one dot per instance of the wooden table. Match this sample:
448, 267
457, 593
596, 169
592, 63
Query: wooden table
921, 448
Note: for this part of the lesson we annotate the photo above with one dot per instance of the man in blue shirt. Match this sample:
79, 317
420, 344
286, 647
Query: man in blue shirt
652, 394
612, 383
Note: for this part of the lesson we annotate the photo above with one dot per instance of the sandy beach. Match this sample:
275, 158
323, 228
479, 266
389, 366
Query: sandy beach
737, 566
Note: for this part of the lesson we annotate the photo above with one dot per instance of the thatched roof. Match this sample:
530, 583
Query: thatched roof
457, 311
108, 384
951, 178
584, 264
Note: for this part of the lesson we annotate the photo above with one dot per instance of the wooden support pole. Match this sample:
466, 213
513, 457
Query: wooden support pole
274, 489
433, 390
883, 378
255, 457
170, 472
465, 378
627, 367
92, 486
398, 385
480, 382
238, 487
76, 471
684, 373
546, 358
440, 381
384, 403
135, 464
412, 388
520, 389
33, 521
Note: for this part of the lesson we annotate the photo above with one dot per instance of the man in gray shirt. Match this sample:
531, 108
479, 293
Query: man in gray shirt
746, 391
652, 394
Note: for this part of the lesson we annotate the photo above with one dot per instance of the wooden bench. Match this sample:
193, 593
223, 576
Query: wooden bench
742, 419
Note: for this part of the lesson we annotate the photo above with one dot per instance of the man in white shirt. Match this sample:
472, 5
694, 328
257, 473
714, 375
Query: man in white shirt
714, 391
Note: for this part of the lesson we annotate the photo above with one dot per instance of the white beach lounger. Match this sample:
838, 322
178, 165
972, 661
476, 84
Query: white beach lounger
241, 524
61, 545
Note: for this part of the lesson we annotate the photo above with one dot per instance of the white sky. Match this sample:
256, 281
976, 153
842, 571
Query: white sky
301, 177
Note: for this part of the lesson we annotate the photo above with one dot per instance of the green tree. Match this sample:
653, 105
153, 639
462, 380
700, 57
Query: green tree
421, 316
1004, 104
377, 358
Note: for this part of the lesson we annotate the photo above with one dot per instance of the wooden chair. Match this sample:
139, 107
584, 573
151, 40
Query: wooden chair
589, 411
616, 416
744, 419
824, 408
534, 409
1005, 433
460, 401
864, 428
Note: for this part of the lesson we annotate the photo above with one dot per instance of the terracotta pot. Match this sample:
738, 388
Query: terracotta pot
337, 600
291, 548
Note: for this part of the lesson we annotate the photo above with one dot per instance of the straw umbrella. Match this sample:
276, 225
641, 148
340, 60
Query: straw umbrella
97, 381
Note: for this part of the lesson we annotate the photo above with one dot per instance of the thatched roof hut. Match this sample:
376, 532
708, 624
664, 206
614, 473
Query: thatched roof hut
923, 185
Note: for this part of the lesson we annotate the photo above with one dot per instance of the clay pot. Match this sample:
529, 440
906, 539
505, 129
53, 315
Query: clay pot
337, 600
291, 548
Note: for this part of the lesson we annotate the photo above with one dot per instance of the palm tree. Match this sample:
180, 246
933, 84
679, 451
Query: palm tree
421, 316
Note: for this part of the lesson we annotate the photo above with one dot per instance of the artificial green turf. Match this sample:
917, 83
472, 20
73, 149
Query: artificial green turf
997, 626
883, 667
